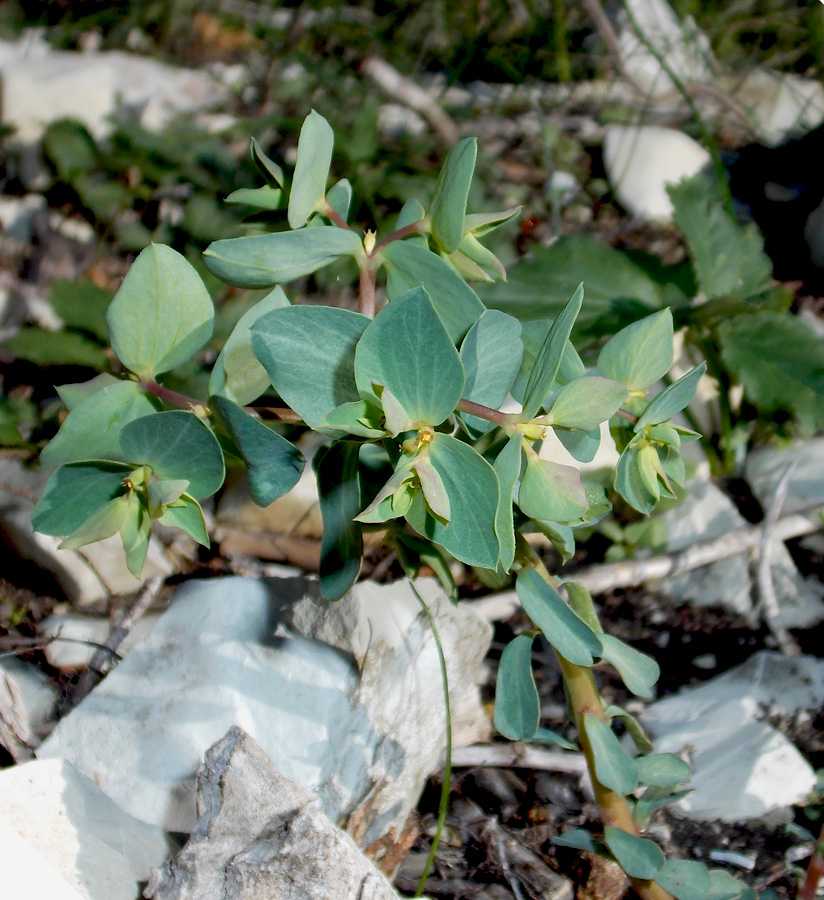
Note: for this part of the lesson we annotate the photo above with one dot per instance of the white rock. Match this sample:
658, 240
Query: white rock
780, 104
259, 832
641, 160
685, 48
100, 851
17, 215
28, 873
395, 121
27, 703
707, 513
765, 467
78, 637
213, 660
42, 85
743, 768
88, 575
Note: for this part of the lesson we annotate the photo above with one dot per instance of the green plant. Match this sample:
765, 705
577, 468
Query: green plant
722, 297
408, 396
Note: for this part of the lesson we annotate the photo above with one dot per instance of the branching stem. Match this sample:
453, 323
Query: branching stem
398, 235
170, 396
486, 412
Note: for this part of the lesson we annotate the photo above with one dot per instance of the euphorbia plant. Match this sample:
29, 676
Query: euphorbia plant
409, 400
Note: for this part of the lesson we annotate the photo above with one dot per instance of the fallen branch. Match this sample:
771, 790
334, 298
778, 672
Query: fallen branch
517, 756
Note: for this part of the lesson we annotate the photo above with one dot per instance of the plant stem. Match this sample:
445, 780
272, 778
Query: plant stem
414, 228
366, 291
170, 396
486, 412
626, 414
334, 217
584, 697
815, 871
447, 775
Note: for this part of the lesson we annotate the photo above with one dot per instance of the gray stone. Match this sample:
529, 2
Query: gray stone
217, 658
766, 465
27, 703
743, 768
259, 837
99, 850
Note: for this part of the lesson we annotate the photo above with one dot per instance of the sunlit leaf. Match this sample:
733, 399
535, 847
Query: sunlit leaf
451, 193
641, 353
311, 169
614, 767
638, 671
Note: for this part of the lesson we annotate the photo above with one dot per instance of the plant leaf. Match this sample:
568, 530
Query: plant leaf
81, 304
336, 468
547, 736
491, 355
176, 445
451, 194
136, 532
663, 770
161, 315
309, 355
407, 350
614, 767
685, 879
92, 429
260, 198
586, 402
569, 635
641, 353
517, 704
73, 493
552, 492
273, 464
638, 857
314, 158
672, 399
472, 487
74, 394
723, 886
409, 266
548, 362
264, 260
270, 170
580, 839
185, 513
55, 348
638, 671
507, 467
101, 524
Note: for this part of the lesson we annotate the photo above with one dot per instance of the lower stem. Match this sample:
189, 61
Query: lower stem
366, 292
584, 697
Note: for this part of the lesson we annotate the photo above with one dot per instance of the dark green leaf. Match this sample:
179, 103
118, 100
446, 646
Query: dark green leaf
517, 705
451, 193
407, 350
75, 492
336, 468
273, 464
548, 362
81, 304
729, 258
568, 634
409, 266
472, 487
641, 353
614, 767
780, 362
311, 169
309, 354
638, 671
70, 147
672, 399
270, 170
264, 260
92, 429
579, 839
176, 445
161, 315
638, 857
56, 348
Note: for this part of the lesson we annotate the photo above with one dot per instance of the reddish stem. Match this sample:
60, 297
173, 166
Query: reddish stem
170, 396
337, 219
366, 291
414, 228
815, 871
625, 414
486, 412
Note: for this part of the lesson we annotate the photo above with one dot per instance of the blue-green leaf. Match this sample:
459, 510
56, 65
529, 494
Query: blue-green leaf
407, 350
74, 492
685, 879
517, 705
273, 464
185, 513
451, 193
135, 532
409, 266
264, 260
586, 402
614, 767
162, 313
663, 770
507, 467
638, 671
579, 839
101, 524
270, 170
176, 445
638, 857
92, 429
641, 353
261, 198
672, 399
309, 354
552, 492
311, 169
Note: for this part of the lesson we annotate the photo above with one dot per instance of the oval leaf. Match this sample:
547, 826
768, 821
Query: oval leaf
586, 402
75, 492
161, 315
92, 429
638, 671
309, 355
662, 770
641, 353
685, 879
451, 193
638, 857
407, 350
176, 445
185, 513
552, 492
311, 169
614, 768
568, 634
517, 704
672, 399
